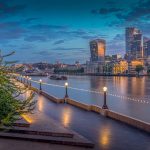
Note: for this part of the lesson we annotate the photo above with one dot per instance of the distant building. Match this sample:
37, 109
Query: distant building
133, 38
116, 57
120, 67
93, 68
132, 66
97, 49
146, 47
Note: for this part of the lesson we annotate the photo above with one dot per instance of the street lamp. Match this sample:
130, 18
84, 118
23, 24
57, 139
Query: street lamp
30, 81
24, 79
66, 87
105, 105
27, 80
21, 78
40, 81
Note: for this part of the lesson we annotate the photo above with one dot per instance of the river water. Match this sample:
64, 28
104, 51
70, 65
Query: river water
126, 95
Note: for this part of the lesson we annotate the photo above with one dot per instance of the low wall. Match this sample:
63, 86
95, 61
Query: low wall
52, 98
129, 120
78, 104
96, 109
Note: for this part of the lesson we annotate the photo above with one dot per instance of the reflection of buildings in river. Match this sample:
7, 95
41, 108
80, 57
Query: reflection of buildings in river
66, 116
104, 136
97, 84
137, 87
120, 83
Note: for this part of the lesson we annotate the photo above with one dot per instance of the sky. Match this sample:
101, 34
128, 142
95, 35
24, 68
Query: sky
60, 30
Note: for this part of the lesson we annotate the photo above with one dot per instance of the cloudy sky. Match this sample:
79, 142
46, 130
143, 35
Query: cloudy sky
60, 30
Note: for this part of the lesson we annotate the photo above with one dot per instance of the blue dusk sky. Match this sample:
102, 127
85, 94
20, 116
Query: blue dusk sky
60, 30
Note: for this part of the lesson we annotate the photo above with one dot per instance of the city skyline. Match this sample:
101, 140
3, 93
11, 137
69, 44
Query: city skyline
61, 30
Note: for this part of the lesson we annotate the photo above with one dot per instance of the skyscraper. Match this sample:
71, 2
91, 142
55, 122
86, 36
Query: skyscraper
97, 49
146, 47
133, 38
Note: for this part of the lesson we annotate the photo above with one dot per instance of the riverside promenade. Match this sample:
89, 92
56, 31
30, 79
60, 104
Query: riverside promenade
104, 132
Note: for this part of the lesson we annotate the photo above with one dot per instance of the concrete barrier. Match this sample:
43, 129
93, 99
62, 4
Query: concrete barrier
78, 104
129, 120
96, 109
52, 98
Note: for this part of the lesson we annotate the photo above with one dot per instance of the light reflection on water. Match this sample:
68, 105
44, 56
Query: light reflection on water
137, 88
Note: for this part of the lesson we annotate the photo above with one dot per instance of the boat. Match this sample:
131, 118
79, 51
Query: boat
57, 77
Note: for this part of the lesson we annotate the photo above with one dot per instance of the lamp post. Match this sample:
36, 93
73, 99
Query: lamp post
66, 87
105, 105
40, 81
27, 80
24, 79
21, 78
30, 81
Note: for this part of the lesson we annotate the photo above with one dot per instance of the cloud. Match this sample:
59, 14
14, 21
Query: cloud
68, 49
29, 20
48, 27
116, 45
35, 38
42, 53
106, 11
11, 30
142, 8
58, 42
6, 9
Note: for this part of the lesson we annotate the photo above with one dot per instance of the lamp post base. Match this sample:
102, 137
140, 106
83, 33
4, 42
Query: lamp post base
105, 107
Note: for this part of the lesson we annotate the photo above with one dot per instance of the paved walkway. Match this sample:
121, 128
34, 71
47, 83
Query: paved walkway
107, 134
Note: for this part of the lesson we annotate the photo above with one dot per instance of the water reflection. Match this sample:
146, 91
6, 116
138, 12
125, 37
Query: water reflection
40, 103
104, 136
66, 116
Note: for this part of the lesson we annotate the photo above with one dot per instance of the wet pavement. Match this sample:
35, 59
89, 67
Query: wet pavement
107, 134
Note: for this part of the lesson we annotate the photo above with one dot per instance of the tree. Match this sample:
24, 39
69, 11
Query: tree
11, 105
139, 68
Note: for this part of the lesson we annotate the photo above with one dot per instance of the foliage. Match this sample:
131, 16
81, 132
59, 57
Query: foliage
11, 103
139, 68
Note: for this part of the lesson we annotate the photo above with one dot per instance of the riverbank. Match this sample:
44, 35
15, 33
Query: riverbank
105, 133
105, 112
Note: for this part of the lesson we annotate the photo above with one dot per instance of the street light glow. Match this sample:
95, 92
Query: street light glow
104, 89
40, 80
66, 84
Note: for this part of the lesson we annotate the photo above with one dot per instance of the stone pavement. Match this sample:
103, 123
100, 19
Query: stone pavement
105, 133
12, 144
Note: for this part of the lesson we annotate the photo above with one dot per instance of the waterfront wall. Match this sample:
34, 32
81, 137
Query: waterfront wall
113, 115
78, 104
50, 97
129, 120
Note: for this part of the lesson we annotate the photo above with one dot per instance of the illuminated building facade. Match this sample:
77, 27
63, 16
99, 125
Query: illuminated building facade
132, 66
97, 49
120, 67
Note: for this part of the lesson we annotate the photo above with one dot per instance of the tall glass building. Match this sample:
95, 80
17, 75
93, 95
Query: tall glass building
133, 38
97, 49
146, 47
